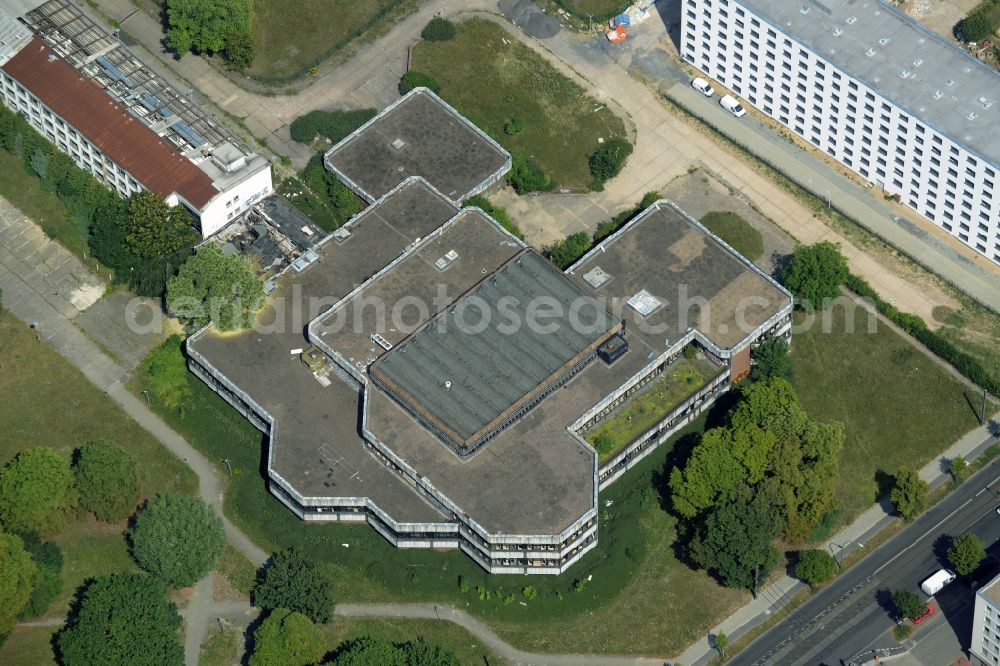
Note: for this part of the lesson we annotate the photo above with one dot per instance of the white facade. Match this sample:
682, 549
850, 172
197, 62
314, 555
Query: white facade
234, 201
786, 77
986, 623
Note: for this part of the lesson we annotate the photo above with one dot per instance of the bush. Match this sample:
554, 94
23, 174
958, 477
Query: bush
334, 125
49, 559
497, 213
291, 581
439, 29
240, 50
975, 27
568, 250
604, 443
608, 227
369, 651
106, 479
177, 538
513, 126
815, 567
526, 176
413, 80
286, 638
609, 158
36, 492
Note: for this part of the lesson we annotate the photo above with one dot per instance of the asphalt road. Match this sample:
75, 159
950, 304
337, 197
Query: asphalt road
852, 614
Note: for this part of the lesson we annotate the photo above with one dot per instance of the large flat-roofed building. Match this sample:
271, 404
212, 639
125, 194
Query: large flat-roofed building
85, 91
986, 623
863, 82
452, 374
419, 135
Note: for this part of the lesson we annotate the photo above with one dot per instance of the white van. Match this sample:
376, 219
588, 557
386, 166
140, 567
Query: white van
730, 104
937, 582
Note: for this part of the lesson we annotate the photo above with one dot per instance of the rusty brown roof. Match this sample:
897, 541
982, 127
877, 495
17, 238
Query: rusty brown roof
153, 162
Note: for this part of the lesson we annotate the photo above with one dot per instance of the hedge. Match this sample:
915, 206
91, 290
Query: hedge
334, 125
916, 327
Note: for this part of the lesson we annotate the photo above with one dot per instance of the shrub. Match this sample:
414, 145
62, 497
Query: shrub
815, 567
334, 125
413, 80
49, 559
177, 538
529, 592
106, 479
526, 176
36, 492
568, 250
604, 444
609, 158
976, 26
286, 638
497, 213
439, 29
513, 126
240, 50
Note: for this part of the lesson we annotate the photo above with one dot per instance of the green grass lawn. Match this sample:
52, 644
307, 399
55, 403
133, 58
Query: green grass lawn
736, 231
292, 36
24, 190
636, 579
897, 405
491, 77
29, 647
598, 9
47, 402
237, 569
645, 409
221, 647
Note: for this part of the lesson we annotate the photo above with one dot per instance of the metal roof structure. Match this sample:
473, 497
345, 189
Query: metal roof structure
14, 36
928, 77
485, 360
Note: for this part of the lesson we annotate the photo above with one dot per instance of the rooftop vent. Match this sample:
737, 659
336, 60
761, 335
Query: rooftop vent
870, 52
938, 94
837, 32
851, 20
597, 277
972, 115
381, 342
645, 303
398, 144
804, 9
918, 62
341, 235
905, 74
883, 41
986, 102
447, 260
950, 82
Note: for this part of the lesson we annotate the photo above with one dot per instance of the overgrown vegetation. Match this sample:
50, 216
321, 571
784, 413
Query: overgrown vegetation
490, 77
498, 213
737, 232
566, 252
332, 125
438, 29
414, 79
217, 287
220, 26
607, 161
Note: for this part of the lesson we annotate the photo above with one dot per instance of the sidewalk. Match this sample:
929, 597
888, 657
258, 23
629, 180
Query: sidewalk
851, 538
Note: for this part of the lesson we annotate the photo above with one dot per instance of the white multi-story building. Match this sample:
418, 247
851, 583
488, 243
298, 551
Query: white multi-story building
986, 623
863, 82
86, 92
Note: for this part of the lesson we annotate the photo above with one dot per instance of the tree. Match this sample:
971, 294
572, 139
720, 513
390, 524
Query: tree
721, 643
48, 558
18, 575
212, 286
286, 638
36, 492
966, 552
439, 29
609, 158
815, 567
414, 79
569, 249
908, 604
909, 493
240, 50
177, 538
958, 467
123, 620
815, 273
736, 544
526, 175
168, 374
204, 26
107, 480
771, 359
156, 229
369, 651
976, 26
291, 581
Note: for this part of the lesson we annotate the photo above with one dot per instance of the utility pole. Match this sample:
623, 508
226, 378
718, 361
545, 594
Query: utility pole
982, 418
756, 572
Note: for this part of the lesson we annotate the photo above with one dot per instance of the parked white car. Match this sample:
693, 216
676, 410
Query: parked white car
702, 86
730, 104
